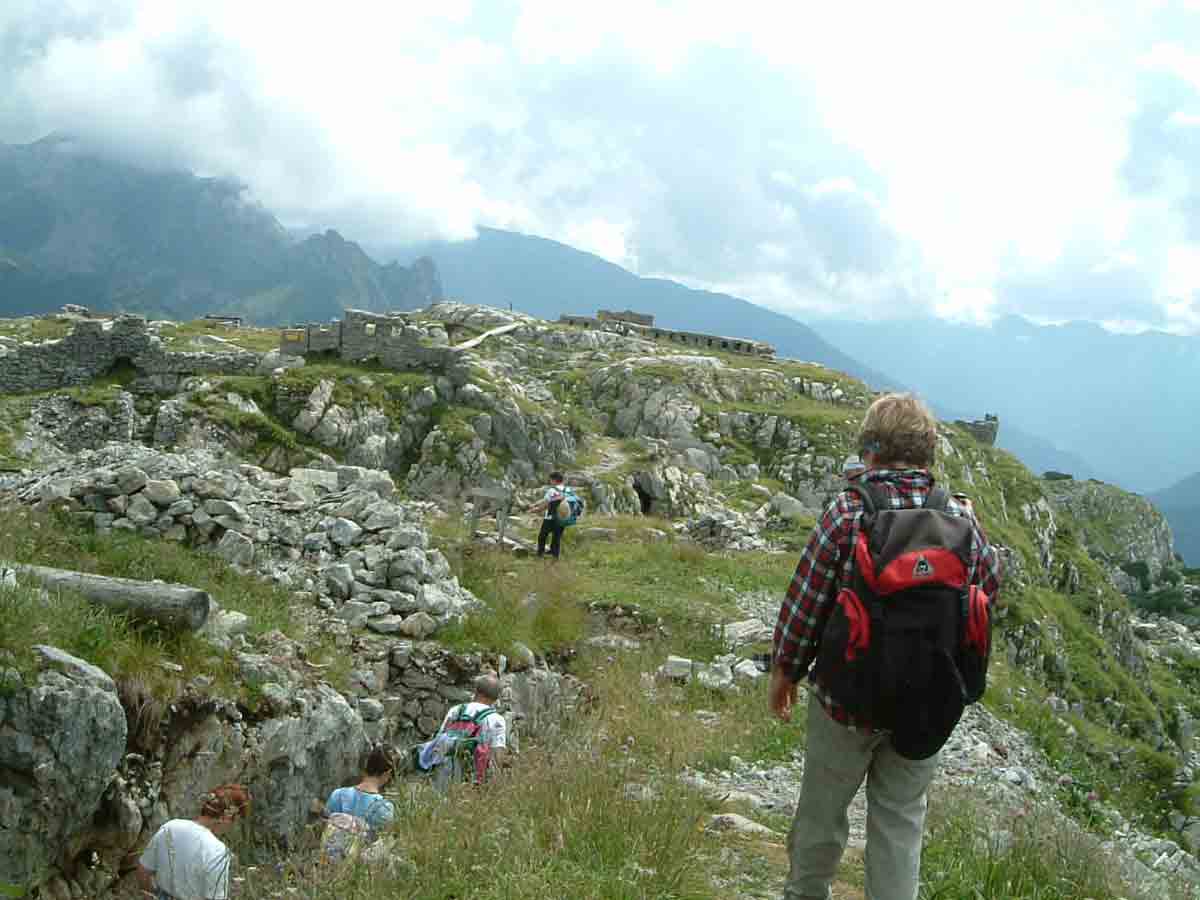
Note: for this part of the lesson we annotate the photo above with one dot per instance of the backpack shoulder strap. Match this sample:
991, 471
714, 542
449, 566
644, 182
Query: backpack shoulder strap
482, 714
867, 493
937, 499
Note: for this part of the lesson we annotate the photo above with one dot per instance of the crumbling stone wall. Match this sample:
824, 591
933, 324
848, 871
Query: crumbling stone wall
394, 340
91, 350
673, 335
95, 347
983, 430
627, 315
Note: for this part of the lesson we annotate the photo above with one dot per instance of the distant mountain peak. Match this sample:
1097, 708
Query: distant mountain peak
112, 235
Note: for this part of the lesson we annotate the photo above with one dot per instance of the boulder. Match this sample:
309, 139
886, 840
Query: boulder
162, 493
236, 548
141, 511
418, 626
339, 579
300, 757
131, 479
788, 507
213, 484
62, 735
390, 624
217, 507
676, 667
344, 532
319, 479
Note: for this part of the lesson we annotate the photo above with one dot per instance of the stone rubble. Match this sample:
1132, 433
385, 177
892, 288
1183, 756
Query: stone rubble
338, 534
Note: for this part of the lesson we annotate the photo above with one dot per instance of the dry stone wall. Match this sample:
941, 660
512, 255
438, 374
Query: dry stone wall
94, 348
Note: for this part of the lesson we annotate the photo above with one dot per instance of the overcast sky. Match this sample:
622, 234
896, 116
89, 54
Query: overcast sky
969, 159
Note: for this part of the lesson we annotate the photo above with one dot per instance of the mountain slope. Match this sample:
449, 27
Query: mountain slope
1108, 697
79, 228
545, 278
1180, 503
1114, 399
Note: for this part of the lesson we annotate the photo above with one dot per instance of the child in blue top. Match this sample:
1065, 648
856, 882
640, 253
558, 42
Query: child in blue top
360, 811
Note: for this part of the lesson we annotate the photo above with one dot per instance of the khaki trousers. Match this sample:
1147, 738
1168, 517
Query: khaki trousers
835, 763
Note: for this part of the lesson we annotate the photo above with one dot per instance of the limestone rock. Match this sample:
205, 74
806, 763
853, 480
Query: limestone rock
739, 825
61, 738
418, 626
236, 548
315, 478
162, 493
389, 624
344, 532
141, 511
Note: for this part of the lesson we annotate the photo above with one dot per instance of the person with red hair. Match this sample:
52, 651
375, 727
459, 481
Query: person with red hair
186, 860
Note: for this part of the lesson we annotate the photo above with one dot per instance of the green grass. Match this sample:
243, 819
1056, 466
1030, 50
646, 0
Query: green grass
180, 335
132, 653
531, 600
53, 540
1138, 784
1026, 855
39, 329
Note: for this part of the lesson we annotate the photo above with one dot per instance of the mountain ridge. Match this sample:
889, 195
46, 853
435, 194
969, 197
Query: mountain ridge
1113, 399
78, 227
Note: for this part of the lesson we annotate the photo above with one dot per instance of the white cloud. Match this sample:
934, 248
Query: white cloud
867, 159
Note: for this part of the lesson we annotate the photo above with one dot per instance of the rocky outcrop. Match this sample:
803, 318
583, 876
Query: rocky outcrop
62, 734
1118, 528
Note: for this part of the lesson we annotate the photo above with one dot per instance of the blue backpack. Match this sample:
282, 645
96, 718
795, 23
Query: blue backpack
574, 508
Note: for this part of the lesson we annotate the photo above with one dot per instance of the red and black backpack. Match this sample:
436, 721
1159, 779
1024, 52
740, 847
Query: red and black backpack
907, 645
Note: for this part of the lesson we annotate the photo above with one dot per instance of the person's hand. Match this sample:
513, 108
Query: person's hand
782, 694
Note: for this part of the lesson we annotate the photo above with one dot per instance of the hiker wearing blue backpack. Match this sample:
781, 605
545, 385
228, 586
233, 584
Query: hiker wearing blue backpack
888, 614
562, 508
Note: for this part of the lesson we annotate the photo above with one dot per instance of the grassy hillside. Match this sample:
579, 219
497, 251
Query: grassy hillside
598, 810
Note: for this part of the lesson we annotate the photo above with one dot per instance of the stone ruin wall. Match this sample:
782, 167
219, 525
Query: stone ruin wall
391, 339
672, 335
95, 347
983, 430
628, 315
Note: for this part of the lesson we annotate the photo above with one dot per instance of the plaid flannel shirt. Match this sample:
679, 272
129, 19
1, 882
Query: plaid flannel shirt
825, 564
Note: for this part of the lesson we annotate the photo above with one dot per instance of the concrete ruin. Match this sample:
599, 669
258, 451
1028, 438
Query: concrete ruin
983, 430
98, 347
643, 325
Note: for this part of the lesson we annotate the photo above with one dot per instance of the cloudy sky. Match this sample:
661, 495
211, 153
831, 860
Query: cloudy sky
968, 159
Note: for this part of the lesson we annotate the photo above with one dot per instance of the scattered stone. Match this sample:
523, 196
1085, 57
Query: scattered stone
737, 824
141, 511
236, 548
315, 478
163, 493
344, 532
419, 625
390, 624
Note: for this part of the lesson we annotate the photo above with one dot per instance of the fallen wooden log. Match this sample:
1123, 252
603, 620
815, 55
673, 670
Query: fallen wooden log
175, 606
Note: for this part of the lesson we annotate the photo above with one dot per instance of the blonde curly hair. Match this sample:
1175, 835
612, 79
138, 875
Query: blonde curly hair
899, 428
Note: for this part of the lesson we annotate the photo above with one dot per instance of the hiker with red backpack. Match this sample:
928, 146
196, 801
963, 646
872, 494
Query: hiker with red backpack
888, 614
472, 741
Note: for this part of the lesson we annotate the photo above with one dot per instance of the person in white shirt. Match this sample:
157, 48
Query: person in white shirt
552, 529
185, 860
437, 753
